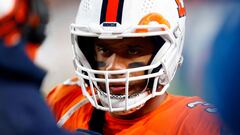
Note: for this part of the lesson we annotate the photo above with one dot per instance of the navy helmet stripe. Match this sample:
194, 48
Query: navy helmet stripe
103, 11
120, 10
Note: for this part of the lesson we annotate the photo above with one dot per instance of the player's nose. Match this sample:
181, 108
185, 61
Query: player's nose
116, 62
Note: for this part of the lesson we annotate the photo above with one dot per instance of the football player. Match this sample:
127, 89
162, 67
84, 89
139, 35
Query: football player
126, 52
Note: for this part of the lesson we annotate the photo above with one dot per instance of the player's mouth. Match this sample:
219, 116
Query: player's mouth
117, 89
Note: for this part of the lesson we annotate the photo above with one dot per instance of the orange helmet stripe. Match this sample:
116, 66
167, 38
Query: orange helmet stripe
112, 11
112, 8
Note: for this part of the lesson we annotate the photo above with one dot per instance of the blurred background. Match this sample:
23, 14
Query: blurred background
55, 55
204, 18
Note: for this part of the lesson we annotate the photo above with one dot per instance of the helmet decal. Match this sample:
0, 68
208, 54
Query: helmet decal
152, 17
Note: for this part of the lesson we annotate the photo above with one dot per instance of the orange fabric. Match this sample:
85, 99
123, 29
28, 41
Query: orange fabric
9, 23
172, 117
6, 28
112, 10
18, 12
31, 50
22, 9
62, 98
114, 125
12, 38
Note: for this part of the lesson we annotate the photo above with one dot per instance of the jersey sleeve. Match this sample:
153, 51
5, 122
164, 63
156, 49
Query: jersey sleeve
64, 98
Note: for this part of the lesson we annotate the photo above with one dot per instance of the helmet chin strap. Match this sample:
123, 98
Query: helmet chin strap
121, 102
130, 111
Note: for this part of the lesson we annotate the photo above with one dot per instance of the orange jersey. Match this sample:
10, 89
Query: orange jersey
177, 115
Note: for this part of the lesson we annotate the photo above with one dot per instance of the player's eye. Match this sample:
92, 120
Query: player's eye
133, 51
103, 51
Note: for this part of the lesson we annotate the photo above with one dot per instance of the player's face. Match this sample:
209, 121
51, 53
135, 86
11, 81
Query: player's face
119, 54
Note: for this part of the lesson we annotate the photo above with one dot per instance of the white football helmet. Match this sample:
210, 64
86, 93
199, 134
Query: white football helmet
117, 19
